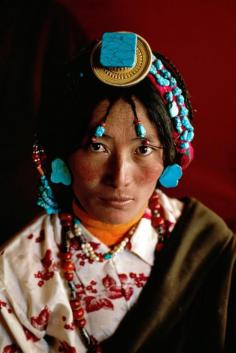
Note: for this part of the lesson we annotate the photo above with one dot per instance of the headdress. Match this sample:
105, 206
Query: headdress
123, 59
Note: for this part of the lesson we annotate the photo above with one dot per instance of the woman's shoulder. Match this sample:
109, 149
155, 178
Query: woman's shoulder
200, 222
43, 232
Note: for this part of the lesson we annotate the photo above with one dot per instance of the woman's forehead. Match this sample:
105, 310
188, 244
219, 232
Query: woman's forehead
121, 117
119, 108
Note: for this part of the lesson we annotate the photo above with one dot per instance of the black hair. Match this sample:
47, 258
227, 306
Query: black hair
71, 94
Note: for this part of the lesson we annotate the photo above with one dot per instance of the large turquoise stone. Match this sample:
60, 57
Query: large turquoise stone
118, 49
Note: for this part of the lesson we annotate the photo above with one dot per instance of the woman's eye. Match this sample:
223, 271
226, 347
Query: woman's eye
96, 147
144, 150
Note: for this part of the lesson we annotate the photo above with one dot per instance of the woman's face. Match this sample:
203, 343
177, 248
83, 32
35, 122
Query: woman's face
114, 177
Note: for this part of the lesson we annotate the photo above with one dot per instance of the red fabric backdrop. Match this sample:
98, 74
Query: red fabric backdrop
198, 36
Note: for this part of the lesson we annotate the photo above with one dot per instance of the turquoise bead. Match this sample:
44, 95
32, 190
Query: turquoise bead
180, 99
158, 64
173, 82
162, 81
166, 73
177, 91
140, 130
183, 111
99, 132
184, 136
184, 145
153, 70
190, 136
107, 256
169, 96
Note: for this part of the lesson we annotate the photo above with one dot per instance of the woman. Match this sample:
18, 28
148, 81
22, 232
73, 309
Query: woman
116, 265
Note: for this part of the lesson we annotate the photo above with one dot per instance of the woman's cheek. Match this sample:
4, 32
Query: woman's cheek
85, 171
148, 175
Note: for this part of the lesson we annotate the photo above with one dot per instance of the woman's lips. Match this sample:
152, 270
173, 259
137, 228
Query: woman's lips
116, 202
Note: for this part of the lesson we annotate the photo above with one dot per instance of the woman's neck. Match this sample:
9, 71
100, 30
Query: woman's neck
109, 234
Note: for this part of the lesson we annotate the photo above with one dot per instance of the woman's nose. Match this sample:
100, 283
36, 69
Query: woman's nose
119, 173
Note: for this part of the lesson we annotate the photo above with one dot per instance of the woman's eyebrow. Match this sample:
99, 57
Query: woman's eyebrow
151, 138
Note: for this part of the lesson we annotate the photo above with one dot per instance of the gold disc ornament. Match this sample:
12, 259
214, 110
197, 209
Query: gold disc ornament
123, 76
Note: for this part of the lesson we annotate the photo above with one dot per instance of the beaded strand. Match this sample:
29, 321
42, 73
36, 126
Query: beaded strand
68, 268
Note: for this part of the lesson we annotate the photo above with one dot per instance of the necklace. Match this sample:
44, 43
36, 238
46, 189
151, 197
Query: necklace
91, 254
72, 228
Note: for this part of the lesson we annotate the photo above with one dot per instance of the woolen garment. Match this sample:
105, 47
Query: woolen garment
189, 302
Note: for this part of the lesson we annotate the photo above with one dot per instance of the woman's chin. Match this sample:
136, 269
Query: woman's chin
114, 216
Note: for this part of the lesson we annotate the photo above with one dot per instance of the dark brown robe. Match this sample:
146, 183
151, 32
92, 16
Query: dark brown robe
189, 302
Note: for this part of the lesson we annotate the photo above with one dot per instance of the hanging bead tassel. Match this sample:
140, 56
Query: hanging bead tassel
46, 198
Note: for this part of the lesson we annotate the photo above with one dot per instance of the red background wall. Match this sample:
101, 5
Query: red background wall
198, 36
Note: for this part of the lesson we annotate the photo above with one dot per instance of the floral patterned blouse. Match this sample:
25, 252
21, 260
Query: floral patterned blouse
35, 313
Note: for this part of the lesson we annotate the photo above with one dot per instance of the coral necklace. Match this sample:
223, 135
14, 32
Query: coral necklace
70, 229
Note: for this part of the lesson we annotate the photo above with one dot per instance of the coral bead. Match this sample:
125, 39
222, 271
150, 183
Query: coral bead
156, 221
69, 276
82, 323
66, 219
66, 256
154, 203
68, 266
78, 314
75, 304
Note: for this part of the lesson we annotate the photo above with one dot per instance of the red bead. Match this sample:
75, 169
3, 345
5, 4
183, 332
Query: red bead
82, 323
154, 203
75, 304
69, 276
68, 266
65, 216
66, 219
156, 221
66, 256
78, 314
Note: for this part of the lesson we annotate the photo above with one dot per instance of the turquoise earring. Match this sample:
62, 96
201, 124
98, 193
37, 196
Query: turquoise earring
60, 172
170, 176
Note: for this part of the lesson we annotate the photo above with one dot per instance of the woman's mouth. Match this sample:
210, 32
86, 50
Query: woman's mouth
117, 202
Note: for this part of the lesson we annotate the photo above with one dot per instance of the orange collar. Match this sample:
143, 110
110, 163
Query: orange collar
108, 234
